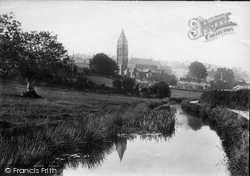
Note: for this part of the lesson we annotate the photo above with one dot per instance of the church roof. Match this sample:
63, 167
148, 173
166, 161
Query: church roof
147, 70
122, 39
141, 61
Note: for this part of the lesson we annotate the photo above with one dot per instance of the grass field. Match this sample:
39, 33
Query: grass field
185, 94
57, 103
175, 93
62, 104
102, 80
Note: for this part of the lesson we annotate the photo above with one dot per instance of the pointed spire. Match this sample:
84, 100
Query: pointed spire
121, 146
122, 39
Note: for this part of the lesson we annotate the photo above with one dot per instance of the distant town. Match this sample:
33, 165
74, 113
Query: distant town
146, 70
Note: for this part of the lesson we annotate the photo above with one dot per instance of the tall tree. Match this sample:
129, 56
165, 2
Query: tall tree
197, 71
35, 55
161, 90
224, 78
102, 64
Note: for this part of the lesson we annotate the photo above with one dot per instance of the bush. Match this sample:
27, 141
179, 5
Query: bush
102, 64
236, 99
117, 84
128, 84
158, 90
161, 90
86, 71
125, 85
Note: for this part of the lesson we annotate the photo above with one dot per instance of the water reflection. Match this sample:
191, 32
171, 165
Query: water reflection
185, 155
121, 145
190, 150
68, 156
188, 121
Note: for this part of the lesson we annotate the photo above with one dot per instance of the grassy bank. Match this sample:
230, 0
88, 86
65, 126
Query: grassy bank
41, 130
230, 99
233, 131
180, 95
58, 104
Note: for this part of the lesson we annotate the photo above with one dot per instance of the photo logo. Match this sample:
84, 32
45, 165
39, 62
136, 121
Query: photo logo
7, 170
210, 28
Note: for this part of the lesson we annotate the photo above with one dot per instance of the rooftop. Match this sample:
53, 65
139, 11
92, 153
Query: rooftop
142, 61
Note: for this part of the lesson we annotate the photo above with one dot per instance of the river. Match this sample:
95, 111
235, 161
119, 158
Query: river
193, 150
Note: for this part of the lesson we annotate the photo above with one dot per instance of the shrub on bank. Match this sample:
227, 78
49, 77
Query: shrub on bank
125, 85
158, 90
231, 99
234, 134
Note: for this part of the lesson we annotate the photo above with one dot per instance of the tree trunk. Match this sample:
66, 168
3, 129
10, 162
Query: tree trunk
30, 92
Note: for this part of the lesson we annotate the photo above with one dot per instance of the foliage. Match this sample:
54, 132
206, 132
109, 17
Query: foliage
11, 34
128, 84
164, 77
211, 73
223, 79
125, 84
230, 99
197, 71
86, 71
117, 84
161, 90
35, 55
158, 90
102, 64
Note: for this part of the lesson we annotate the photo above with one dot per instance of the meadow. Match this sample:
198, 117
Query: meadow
39, 130
57, 103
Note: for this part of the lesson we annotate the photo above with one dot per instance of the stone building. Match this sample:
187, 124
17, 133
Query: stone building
138, 68
142, 69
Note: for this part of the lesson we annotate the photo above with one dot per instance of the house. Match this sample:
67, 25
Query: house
240, 87
140, 68
192, 84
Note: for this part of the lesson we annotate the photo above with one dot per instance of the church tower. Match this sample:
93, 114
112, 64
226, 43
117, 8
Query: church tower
122, 53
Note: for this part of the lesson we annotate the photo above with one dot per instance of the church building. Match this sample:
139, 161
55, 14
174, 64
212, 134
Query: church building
138, 68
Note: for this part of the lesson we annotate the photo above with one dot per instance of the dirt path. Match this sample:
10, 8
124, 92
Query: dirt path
242, 113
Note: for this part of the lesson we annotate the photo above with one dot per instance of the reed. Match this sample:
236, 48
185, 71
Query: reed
35, 142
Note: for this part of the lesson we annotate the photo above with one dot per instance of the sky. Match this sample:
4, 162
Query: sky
157, 30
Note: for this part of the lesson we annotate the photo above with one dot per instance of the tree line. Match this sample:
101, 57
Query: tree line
224, 78
39, 56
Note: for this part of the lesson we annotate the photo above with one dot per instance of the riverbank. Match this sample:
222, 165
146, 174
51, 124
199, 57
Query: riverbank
229, 99
38, 130
231, 128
